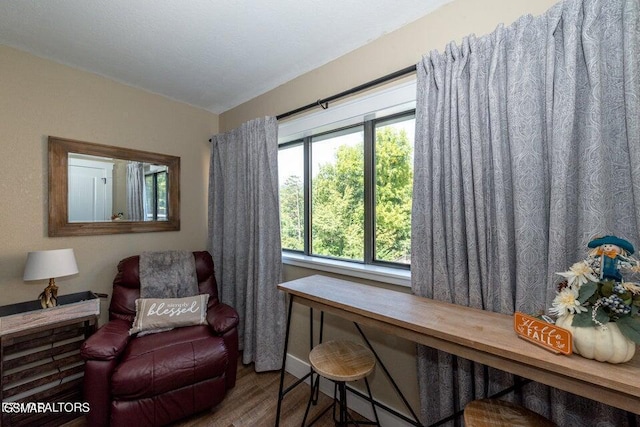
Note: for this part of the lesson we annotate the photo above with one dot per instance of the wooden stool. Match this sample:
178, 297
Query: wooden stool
498, 413
342, 361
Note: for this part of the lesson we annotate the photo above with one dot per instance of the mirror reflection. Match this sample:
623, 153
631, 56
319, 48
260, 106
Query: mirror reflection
111, 189
103, 189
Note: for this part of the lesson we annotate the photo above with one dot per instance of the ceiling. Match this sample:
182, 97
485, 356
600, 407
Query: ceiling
213, 54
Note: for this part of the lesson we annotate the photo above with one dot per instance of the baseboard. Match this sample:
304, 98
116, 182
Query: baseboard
299, 368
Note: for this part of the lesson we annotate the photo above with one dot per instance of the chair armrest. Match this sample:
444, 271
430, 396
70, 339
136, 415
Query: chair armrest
108, 342
222, 318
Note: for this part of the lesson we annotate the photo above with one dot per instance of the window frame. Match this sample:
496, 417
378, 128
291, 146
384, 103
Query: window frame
155, 197
306, 193
369, 127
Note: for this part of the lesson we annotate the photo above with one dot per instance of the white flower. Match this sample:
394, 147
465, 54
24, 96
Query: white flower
566, 302
634, 288
579, 273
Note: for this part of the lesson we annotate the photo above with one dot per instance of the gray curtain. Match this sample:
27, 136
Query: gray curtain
135, 191
527, 145
244, 236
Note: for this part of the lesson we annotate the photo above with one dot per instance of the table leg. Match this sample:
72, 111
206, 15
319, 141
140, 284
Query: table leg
284, 360
415, 421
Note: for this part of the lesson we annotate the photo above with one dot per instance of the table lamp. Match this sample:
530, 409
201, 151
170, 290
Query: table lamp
49, 265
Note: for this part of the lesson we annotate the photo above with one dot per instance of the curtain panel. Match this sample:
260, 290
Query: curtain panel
135, 191
527, 146
244, 237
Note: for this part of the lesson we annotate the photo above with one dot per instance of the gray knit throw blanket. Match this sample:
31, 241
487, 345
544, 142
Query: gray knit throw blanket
168, 274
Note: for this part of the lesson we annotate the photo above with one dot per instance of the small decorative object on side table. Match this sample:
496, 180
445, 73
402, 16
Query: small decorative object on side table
598, 306
40, 355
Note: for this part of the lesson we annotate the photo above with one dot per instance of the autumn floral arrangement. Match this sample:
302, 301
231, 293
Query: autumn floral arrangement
594, 294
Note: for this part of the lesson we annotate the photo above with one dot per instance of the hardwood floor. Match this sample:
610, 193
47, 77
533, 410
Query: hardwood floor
253, 402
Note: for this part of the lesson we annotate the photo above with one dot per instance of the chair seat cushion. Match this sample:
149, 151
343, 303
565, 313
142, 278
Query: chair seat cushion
154, 364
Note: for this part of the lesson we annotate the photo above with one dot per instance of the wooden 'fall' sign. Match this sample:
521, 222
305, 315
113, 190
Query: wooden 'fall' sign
546, 335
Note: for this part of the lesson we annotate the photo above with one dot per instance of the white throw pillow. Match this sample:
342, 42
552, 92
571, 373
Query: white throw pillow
163, 314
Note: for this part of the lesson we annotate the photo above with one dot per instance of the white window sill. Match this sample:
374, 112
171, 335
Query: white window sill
394, 276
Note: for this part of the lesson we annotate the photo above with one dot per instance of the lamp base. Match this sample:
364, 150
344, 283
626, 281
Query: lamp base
49, 297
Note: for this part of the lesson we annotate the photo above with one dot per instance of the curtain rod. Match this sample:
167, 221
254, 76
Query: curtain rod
324, 103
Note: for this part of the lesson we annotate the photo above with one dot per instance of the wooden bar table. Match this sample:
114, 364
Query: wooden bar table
481, 336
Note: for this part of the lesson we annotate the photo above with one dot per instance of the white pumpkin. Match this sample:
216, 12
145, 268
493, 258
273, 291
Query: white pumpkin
602, 344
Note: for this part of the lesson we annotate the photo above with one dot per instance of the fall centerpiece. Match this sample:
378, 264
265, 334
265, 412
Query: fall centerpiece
596, 304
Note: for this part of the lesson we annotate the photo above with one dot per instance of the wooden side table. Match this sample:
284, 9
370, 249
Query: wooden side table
40, 356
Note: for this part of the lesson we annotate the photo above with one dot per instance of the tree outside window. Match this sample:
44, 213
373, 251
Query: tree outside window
338, 182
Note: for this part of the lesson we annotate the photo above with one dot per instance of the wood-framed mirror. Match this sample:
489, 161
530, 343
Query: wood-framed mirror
100, 189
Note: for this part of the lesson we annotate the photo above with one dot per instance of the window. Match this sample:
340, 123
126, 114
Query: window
346, 193
337, 194
291, 175
393, 187
155, 189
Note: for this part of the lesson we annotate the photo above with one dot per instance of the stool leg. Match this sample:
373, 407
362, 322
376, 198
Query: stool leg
343, 403
338, 401
373, 406
335, 399
314, 389
316, 394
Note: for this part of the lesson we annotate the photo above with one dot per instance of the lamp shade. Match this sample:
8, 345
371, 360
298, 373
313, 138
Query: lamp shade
50, 264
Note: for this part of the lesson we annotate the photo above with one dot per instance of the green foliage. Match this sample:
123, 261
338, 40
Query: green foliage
586, 291
292, 213
338, 202
338, 205
606, 288
394, 179
585, 318
630, 328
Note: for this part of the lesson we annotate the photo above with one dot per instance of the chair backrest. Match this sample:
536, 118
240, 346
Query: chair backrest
126, 285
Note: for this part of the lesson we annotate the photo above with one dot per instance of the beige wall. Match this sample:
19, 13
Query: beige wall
391, 52
39, 98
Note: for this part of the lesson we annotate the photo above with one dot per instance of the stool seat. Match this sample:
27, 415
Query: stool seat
498, 413
342, 360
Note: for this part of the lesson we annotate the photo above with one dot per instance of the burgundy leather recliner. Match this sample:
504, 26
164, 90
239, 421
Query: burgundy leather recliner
158, 378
